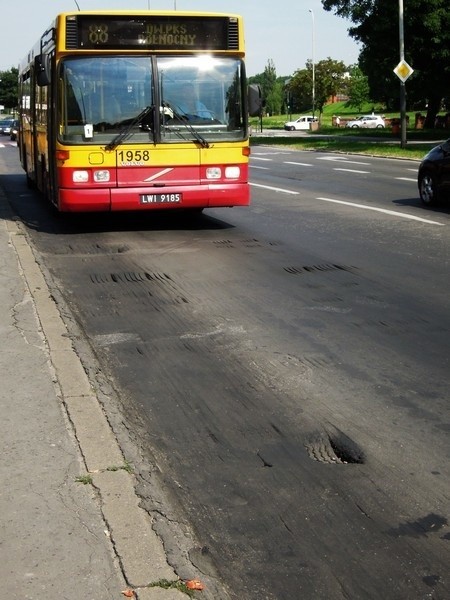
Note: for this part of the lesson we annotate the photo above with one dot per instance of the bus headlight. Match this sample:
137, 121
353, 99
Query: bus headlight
101, 176
80, 176
213, 173
232, 172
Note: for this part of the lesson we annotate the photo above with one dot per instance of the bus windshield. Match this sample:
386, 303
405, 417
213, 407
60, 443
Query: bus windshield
192, 97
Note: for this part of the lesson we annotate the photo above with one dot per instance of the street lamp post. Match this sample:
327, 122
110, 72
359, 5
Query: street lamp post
313, 65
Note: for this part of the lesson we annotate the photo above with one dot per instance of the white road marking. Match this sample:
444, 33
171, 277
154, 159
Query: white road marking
260, 168
297, 164
277, 152
406, 179
382, 210
343, 159
274, 189
351, 170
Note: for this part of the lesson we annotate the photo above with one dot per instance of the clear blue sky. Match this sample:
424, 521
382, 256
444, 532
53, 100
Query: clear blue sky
281, 30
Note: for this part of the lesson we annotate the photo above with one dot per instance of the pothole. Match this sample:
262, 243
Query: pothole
334, 448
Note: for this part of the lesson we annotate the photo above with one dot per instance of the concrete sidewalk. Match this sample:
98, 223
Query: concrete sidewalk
60, 538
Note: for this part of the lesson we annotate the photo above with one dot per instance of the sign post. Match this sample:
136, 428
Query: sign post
403, 71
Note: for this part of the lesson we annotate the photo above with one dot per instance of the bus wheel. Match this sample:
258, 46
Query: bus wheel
47, 188
30, 183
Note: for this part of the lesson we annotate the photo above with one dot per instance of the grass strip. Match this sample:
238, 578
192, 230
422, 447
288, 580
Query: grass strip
391, 149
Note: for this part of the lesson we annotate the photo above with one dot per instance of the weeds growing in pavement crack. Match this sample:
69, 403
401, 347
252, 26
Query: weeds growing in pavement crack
84, 479
125, 467
172, 585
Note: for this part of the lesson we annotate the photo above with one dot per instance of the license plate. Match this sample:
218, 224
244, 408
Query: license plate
161, 198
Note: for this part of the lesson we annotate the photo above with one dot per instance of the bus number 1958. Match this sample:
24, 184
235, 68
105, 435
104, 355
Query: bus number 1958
133, 157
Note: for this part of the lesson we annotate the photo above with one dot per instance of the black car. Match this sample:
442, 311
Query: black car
434, 175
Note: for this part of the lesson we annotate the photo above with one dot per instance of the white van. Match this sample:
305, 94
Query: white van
300, 123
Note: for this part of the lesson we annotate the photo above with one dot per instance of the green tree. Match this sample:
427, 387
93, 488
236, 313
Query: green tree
329, 80
427, 48
9, 88
268, 84
329, 75
274, 102
300, 90
275, 94
272, 88
357, 88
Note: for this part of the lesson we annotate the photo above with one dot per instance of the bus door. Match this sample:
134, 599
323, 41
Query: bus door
51, 174
26, 138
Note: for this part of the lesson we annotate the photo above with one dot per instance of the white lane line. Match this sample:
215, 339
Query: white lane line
274, 153
406, 179
383, 210
274, 189
351, 170
343, 159
286, 162
260, 168
261, 158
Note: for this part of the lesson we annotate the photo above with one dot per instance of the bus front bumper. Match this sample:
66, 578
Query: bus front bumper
126, 199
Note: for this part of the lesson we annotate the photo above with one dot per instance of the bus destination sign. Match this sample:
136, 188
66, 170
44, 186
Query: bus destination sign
152, 32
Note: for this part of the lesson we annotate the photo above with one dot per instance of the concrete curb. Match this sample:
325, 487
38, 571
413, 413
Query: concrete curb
137, 547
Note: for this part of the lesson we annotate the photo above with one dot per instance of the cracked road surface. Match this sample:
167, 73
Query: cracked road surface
283, 374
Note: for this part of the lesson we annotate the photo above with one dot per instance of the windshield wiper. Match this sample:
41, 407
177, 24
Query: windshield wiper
122, 136
185, 120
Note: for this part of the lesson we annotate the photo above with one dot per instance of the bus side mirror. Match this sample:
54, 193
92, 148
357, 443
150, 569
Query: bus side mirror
40, 71
254, 100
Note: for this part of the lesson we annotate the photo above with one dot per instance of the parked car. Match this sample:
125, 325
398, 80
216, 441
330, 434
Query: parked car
300, 123
433, 177
5, 126
14, 129
367, 122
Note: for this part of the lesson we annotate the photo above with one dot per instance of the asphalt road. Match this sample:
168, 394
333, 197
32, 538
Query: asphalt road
284, 370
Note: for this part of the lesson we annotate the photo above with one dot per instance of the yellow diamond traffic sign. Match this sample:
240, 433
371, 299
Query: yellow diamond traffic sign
403, 70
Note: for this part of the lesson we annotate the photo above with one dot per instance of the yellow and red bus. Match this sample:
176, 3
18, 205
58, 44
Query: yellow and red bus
137, 110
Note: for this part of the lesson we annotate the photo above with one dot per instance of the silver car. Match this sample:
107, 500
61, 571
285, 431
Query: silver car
367, 122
